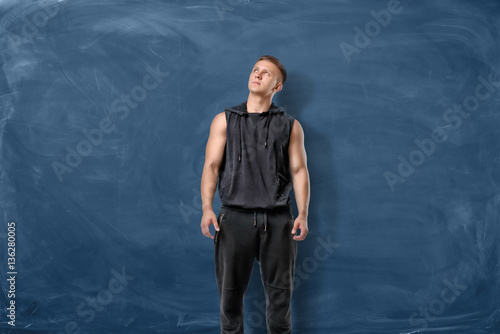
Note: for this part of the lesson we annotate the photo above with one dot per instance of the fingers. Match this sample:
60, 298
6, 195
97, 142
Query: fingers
205, 226
296, 225
302, 236
302, 226
216, 225
206, 231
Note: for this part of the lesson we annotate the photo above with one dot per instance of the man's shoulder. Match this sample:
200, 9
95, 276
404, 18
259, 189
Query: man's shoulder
286, 115
222, 114
219, 121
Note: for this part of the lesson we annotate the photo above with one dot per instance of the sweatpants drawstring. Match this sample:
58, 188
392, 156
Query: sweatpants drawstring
255, 220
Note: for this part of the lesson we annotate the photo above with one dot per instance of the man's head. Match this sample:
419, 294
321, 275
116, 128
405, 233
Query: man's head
268, 76
278, 64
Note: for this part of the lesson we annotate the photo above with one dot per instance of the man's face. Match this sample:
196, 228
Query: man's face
265, 78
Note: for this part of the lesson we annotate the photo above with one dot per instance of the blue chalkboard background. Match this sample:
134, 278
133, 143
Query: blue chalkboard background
105, 108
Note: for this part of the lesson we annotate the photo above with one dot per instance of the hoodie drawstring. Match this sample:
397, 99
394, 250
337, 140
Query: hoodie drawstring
241, 113
241, 140
265, 221
268, 120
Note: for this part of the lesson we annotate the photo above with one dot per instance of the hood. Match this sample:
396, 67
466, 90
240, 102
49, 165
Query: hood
241, 109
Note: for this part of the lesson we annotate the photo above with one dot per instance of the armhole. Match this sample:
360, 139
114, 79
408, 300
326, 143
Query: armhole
227, 123
292, 121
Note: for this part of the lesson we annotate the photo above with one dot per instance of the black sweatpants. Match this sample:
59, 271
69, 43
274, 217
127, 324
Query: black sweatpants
243, 237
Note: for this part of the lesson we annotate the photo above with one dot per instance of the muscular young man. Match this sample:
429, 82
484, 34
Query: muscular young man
256, 154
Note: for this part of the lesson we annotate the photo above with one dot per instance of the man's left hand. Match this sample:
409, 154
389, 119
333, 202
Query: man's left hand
300, 224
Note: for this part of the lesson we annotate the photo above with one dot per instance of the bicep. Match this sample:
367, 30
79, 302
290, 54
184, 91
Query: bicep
216, 143
296, 149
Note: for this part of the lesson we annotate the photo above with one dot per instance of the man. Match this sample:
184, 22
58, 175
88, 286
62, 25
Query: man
256, 152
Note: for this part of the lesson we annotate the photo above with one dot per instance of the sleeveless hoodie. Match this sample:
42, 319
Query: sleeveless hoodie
254, 173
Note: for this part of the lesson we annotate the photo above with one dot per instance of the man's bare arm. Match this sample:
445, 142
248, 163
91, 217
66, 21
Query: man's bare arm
214, 154
300, 178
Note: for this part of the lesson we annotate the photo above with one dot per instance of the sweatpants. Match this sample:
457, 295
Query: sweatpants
243, 237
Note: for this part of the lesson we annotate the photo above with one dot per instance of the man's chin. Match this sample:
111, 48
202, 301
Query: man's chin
256, 89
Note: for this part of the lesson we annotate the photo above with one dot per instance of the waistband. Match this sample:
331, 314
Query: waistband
286, 208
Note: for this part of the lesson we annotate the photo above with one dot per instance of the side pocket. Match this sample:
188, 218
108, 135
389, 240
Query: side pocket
222, 213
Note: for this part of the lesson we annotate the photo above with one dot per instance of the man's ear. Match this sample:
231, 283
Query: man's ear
278, 87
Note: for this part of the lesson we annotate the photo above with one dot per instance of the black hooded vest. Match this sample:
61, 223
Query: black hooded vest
255, 173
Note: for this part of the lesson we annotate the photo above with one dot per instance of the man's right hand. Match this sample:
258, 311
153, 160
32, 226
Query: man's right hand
209, 218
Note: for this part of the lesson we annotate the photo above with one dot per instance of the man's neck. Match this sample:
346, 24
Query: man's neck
258, 104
